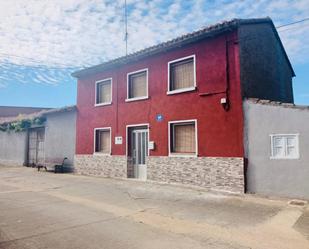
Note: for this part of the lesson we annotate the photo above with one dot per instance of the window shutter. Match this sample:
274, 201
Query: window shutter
104, 141
138, 85
278, 146
291, 146
182, 74
184, 136
284, 146
104, 92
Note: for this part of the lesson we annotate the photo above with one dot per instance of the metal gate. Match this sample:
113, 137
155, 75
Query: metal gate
36, 146
140, 152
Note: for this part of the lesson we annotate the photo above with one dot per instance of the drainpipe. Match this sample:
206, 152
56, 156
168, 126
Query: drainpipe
225, 102
226, 105
117, 128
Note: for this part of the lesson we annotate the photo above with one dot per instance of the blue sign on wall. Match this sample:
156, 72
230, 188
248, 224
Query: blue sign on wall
159, 117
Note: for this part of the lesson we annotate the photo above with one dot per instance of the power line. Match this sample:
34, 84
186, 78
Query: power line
293, 28
292, 23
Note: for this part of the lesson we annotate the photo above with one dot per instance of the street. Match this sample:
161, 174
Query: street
46, 210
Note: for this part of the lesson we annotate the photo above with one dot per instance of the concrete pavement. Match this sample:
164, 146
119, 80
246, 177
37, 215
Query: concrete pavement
46, 210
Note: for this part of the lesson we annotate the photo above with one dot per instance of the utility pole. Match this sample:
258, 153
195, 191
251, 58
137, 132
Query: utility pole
126, 25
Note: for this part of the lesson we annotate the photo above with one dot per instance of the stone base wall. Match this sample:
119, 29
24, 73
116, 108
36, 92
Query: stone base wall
216, 173
130, 167
101, 165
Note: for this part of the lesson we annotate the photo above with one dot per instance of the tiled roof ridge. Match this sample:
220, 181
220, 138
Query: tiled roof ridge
206, 31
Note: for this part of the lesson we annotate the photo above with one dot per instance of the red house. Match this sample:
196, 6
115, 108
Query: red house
173, 112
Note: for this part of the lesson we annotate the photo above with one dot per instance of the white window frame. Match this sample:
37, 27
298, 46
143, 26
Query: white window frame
96, 87
187, 89
173, 154
127, 135
110, 140
272, 136
128, 99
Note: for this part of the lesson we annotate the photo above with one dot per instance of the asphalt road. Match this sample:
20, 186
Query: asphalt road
46, 210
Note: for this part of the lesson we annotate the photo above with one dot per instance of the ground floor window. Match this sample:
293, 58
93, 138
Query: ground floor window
102, 140
284, 146
183, 138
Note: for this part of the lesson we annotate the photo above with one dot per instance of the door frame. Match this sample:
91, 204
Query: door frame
137, 126
147, 141
127, 135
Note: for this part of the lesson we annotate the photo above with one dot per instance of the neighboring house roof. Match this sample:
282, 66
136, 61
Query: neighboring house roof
188, 38
276, 103
59, 110
13, 111
38, 114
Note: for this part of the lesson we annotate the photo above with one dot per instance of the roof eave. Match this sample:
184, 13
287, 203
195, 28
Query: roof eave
212, 31
155, 50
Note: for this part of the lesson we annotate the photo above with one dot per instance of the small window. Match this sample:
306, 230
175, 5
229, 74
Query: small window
137, 85
103, 141
284, 146
104, 92
182, 74
183, 138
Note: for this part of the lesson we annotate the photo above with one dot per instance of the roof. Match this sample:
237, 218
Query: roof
38, 114
12, 111
60, 110
277, 103
206, 32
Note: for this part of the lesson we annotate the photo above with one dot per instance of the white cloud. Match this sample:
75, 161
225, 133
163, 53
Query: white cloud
76, 33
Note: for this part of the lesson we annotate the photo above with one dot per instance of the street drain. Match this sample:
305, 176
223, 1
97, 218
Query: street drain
299, 203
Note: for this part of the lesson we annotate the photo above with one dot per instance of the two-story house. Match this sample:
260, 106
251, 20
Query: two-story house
174, 112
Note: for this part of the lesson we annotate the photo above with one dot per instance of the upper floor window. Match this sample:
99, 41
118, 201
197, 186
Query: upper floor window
103, 92
183, 138
181, 75
137, 85
102, 140
284, 146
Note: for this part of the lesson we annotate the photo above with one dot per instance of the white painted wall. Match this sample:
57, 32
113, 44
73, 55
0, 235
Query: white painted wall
278, 177
13, 146
60, 135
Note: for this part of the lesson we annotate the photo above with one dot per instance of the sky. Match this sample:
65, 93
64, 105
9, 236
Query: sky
43, 41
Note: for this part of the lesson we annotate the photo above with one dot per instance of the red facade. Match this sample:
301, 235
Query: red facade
220, 132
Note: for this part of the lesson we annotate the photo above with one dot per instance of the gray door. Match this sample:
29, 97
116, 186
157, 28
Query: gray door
40, 146
32, 147
140, 152
36, 146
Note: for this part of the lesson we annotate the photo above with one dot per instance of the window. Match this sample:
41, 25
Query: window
103, 140
137, 85
181, 75
104, 92
183, 138
284, 146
